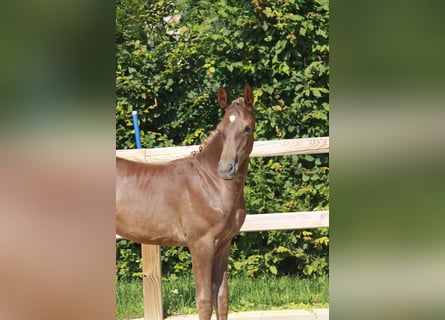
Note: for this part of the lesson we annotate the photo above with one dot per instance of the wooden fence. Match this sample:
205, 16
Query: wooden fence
151, 262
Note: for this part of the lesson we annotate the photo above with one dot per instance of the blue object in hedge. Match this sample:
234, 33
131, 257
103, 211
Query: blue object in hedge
136, 129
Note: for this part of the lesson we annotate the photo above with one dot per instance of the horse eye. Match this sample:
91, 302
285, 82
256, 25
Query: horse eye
247, 129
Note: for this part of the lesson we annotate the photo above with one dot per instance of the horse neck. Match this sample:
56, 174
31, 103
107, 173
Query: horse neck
211, 153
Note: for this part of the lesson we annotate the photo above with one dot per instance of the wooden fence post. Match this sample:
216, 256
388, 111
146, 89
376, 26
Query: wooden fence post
151, 277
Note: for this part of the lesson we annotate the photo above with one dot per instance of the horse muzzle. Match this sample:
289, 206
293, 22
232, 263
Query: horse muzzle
228, 171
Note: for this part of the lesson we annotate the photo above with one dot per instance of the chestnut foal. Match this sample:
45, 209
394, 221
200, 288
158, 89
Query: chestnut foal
197, 201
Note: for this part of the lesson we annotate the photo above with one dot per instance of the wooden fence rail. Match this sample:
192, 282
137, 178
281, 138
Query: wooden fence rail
151, 262
260, 149
283, 221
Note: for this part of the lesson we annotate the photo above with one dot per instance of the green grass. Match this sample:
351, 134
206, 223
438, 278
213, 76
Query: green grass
129, 300
264, 293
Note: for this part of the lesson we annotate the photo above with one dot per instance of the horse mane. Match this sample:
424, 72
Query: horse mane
205, 142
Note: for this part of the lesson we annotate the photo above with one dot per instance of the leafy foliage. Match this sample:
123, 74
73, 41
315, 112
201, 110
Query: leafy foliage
171, 58
128, 260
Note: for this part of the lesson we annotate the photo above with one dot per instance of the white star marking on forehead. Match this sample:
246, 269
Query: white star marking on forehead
232, 117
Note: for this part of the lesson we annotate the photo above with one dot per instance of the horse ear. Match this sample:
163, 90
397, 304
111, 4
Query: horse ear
222, 98
248, 96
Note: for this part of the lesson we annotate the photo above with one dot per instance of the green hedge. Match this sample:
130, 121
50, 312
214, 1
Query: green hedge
170, 73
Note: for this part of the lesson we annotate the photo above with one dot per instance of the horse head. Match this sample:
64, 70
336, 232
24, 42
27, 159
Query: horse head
236, 129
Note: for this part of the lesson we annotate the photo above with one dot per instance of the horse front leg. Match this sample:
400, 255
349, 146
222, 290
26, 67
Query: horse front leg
202, 263
220, 289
